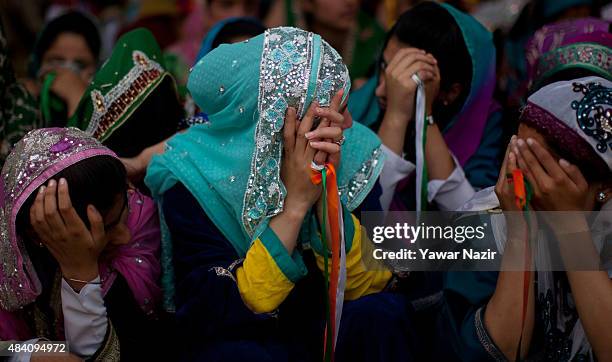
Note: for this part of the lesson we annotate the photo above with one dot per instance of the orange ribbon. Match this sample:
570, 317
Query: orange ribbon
333, 207
520, 193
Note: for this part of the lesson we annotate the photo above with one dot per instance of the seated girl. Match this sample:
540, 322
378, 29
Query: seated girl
454, 57
243, 213
79, 250
563, 151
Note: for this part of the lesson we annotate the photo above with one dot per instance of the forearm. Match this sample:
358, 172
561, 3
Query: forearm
286, 226
440, 163
151, 151
504, 312
392, 132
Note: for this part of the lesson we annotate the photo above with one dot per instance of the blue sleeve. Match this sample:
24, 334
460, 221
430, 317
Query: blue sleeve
466, 295
208, 303
482, 169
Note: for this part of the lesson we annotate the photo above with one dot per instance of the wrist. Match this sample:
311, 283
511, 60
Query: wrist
78, 277
397, 117
570, 224
296, 210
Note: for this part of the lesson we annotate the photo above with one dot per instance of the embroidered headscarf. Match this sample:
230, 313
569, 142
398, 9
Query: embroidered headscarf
35, 159
231, 164
575, 116
569, 44
122, 84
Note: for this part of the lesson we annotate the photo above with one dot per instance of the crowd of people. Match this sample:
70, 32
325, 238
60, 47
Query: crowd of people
186, 179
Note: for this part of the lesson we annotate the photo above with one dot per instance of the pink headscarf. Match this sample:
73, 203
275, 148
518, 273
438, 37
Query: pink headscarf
35, 159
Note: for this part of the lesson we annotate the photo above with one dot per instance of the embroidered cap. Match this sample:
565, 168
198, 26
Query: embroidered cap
569, 44
576, 115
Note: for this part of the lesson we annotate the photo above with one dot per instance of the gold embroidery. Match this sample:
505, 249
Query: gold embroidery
110, 351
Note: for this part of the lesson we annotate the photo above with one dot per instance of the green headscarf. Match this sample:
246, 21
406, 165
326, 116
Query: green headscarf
231, 164
135, 68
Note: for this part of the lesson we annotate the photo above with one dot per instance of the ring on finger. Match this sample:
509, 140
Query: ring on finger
415, 77
315, 167
340, 142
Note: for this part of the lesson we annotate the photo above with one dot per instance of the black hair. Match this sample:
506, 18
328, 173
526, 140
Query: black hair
430, 27
156, 119
93, 181
71, 22
241, 27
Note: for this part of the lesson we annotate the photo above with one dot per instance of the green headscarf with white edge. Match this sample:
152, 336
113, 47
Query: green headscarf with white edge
135, 68
231, 164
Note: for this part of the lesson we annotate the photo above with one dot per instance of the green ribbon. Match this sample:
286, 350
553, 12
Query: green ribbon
328, 342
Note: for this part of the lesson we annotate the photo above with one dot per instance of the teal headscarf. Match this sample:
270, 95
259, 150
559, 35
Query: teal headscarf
465, 130
231, 164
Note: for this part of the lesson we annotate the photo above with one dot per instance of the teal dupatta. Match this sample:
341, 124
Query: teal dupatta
231, 164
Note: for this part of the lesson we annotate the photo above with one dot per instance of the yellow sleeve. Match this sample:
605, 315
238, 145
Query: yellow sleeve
268, 273
359, 280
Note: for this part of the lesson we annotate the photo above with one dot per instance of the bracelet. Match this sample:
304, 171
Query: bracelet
430, 120
82, 281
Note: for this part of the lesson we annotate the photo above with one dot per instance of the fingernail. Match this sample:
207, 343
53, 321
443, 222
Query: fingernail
520, 142
62, 181
52, 183
309, 135
313, 143
530, 141
513, 138
564, 163
41, 190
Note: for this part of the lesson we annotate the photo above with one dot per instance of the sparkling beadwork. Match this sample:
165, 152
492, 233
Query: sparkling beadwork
221, 89
285, 71
31, 157
593, 113
109, 108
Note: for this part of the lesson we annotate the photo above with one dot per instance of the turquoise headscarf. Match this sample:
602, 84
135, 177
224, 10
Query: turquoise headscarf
231, 164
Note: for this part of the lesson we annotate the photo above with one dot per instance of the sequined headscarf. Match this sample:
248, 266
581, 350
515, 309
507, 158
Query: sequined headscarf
40, 155
231, 163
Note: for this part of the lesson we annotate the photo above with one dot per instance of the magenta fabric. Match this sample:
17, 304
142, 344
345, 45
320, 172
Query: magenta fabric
561, 33
36, 158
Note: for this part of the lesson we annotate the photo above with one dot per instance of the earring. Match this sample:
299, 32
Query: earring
601, 196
